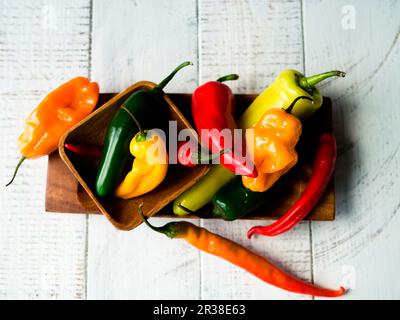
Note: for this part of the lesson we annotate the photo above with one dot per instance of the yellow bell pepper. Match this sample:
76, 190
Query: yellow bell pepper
289, 85
273, 148
149, 168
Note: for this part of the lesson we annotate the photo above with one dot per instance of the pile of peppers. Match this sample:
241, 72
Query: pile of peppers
235, 186
276, 116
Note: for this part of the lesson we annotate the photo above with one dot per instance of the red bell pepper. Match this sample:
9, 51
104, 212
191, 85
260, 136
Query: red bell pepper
213, 105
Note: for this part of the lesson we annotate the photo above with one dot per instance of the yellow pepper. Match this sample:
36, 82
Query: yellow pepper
289, 85
275, 137
149, 168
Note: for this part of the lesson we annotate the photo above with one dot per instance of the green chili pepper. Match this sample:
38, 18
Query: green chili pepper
234, 201
191, 199
141, 108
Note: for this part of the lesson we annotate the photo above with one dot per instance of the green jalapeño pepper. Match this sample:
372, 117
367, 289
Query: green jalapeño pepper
140, 107
234, 201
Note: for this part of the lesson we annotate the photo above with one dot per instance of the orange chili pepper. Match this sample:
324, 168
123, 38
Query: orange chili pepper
275, 137
240, 256
59, 111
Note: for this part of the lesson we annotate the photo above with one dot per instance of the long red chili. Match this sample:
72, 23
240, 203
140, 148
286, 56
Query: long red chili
213, 106
84, 149
323, 167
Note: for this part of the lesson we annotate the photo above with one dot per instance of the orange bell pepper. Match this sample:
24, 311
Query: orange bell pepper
59, 111
275, 137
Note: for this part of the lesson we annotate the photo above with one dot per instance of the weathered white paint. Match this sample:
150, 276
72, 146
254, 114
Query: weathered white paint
41, 45
145, 40
362, 247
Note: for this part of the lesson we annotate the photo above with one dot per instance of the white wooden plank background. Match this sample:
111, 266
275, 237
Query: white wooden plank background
362, 244
119, 42
41, 45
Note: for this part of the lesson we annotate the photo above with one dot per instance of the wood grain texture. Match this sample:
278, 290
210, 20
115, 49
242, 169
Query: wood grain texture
41, 45
144, 40
362, 246
62, 189
256, 39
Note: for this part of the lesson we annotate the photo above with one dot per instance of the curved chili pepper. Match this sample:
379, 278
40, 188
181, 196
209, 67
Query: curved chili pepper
213, 106
187, 158
87, 150
324, 165
240, 256
59, 111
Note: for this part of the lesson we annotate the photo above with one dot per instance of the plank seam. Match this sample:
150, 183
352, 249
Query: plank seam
87, 216
90, 38
304, 71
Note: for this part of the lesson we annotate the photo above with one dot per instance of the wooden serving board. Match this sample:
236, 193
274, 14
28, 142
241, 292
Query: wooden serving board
65, 195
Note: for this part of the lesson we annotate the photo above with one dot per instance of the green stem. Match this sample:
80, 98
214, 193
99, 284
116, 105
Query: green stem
16, 170
308, 83
290, 108
133, 118
170, 229
163, 83
228, 77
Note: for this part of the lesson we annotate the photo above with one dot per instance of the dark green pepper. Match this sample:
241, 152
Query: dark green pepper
234, 201
143, 107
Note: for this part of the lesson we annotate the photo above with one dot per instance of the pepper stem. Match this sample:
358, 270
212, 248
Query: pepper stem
308, 83
202, 159
16, 170
133, 118
228, 77
290, 108
163, 83
170, 229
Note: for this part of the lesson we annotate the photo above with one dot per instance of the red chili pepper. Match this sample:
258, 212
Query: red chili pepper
213, 105
324, 165
86, 150
187, 158
185, 155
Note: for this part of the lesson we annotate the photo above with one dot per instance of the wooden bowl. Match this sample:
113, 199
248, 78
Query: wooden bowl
123, 214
